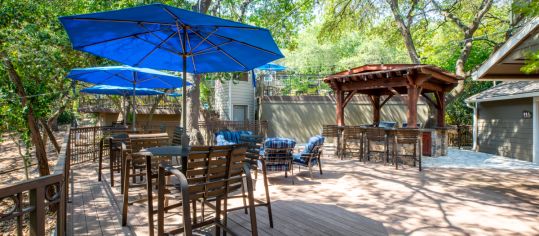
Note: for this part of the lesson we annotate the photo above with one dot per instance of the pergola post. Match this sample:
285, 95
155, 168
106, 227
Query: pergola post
339, 95
375, 100
440, 100
411, 118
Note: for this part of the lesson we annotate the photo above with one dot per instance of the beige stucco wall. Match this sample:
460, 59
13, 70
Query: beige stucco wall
501, 130
303, 116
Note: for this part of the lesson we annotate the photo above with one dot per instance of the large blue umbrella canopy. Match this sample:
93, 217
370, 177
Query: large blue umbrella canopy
163, 37
122, 91
271, 67
126, 76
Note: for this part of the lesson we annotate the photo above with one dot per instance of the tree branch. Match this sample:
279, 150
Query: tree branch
451, 16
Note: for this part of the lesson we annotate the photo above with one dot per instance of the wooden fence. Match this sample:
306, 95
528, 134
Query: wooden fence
460, 136
38, 199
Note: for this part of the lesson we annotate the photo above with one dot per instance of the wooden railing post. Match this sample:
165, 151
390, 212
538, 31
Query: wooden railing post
37, 216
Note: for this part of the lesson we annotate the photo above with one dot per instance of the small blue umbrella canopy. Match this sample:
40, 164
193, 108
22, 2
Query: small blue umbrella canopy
126, 76
163, 37
122, 91
271, 67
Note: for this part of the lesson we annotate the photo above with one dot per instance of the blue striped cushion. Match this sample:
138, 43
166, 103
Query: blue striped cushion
313, 141
279, 156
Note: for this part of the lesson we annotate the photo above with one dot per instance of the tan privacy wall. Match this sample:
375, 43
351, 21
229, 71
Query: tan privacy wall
301, 117
501, 130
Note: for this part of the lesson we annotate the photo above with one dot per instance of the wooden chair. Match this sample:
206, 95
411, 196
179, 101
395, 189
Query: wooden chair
377, 136
131, 162
353, 142
332, 131
212, 173
177, 136
406, 137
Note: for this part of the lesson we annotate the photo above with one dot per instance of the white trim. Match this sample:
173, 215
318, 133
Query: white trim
505, 97
230, 108
506, 48
535, 116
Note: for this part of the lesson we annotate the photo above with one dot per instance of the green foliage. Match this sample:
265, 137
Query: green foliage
528, 9
458, 113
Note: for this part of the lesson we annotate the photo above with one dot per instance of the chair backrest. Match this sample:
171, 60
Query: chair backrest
314, 143
353, 132
177, 136
407, 135
278, 153
330, 131
136, 142
376, 134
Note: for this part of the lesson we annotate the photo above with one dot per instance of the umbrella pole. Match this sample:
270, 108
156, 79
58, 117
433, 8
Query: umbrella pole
134, 108
185, 139
124, 101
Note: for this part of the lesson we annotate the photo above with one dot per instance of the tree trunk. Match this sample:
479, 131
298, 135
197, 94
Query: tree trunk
49, 133
193, 108
404, 30
41, 153
154, 107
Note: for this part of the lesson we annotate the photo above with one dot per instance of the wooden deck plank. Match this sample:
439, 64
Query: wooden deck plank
350, 198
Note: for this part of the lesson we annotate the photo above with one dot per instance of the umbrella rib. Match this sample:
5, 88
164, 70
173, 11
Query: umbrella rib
120, 21
246, 44
204, 39
155, 48
176, 18
205, 50
222, 51
166, 49
119, 38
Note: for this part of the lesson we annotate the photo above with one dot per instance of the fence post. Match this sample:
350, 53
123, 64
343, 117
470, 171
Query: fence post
37, 217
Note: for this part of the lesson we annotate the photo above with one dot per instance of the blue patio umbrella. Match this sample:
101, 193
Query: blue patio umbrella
121, 91
271, 67
163, 37
126, 76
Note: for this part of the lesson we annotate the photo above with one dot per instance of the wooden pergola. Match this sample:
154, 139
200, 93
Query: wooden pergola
377, 81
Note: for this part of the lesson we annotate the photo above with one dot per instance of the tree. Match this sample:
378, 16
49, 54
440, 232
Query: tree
417, 23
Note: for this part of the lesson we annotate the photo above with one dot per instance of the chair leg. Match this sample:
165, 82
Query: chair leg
126, 193
243, 196
217, 216
266, 188
320, 165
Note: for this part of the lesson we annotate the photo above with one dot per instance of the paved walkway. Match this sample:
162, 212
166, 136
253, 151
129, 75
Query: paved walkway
476, 160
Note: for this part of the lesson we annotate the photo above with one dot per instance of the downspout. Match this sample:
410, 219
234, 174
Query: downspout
474, 127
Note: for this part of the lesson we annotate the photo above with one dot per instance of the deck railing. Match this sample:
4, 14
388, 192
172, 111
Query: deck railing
102, 103
460, 136
38, 200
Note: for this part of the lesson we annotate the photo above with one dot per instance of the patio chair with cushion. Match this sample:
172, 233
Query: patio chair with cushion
407, 137
387, 124
277, 155
377, 136
310, 155
228, 137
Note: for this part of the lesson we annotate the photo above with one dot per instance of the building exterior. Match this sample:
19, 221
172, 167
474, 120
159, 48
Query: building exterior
235, 99
506, 120
503, 119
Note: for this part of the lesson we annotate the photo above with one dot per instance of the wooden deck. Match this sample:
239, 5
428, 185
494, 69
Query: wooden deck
350, 198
